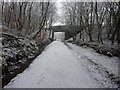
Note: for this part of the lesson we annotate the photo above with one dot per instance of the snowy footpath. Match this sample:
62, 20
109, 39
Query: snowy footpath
66, 66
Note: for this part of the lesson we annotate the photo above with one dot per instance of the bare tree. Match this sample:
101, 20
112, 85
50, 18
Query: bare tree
42, 23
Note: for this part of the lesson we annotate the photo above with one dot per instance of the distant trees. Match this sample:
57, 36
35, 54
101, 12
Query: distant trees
27, 17
94, 18
100, 19
43, 18
70, 17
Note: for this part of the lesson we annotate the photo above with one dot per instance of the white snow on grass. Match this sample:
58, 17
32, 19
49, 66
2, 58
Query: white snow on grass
110, 63
97, 65
56, 67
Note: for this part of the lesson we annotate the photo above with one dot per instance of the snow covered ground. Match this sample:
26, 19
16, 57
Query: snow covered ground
102, 68
66, 66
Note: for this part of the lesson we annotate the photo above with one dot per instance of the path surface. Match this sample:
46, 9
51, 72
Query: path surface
57, 67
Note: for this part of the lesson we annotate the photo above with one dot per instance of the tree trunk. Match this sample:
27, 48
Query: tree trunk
42, 21
117, 28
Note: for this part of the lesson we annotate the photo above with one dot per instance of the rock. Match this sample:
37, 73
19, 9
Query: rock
16, 49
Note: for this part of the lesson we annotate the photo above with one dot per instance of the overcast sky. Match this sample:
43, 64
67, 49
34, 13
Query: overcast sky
59, 11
